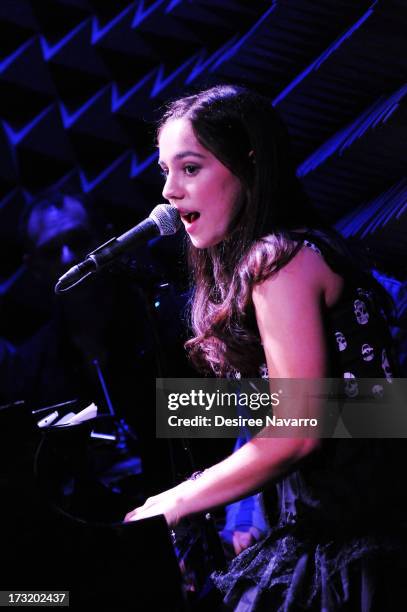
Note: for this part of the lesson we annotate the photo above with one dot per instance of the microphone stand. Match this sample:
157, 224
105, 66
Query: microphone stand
145, 288
212, 551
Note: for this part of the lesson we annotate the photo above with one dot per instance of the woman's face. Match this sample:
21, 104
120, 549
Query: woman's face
204, 191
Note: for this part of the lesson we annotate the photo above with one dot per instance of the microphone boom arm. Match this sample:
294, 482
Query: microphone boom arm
163, 220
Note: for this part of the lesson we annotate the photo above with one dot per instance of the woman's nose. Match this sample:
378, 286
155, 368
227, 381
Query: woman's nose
172, 189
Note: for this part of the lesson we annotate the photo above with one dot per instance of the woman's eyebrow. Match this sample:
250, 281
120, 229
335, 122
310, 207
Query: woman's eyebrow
183, 154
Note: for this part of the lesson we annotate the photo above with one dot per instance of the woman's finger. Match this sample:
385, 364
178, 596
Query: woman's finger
130, 515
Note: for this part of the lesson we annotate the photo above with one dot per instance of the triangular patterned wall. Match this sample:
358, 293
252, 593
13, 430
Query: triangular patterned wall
81, 80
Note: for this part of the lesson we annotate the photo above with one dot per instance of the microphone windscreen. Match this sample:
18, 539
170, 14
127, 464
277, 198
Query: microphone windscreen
167, 219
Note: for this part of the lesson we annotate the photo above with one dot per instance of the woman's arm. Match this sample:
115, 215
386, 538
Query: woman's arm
288, 311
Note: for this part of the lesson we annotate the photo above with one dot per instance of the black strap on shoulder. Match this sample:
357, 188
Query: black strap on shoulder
334, 251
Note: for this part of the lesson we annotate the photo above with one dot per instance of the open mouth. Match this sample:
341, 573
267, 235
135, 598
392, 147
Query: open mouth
191, 217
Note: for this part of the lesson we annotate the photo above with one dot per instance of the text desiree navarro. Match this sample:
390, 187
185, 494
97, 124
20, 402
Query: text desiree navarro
239, 421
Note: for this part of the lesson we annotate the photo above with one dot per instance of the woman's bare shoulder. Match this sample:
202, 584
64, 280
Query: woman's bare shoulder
307, 271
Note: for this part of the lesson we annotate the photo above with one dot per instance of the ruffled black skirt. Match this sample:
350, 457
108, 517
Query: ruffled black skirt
289, 571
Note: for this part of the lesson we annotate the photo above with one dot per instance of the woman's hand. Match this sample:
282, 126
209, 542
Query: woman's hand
166, 503
235, 542
244, 539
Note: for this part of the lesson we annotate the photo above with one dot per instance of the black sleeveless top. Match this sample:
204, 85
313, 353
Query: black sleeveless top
338, 487
341, 503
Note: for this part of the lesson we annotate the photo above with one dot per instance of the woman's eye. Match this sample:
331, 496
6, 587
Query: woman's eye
164, 172
190, 169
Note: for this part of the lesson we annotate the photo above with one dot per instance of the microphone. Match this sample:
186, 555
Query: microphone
163, 220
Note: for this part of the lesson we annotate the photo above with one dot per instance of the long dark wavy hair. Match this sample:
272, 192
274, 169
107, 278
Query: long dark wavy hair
244, 132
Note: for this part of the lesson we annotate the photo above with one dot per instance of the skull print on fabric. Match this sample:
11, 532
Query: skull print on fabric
367, 352
361, 312
263, 371
341, 340
365, 294
351, 385
377, 390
